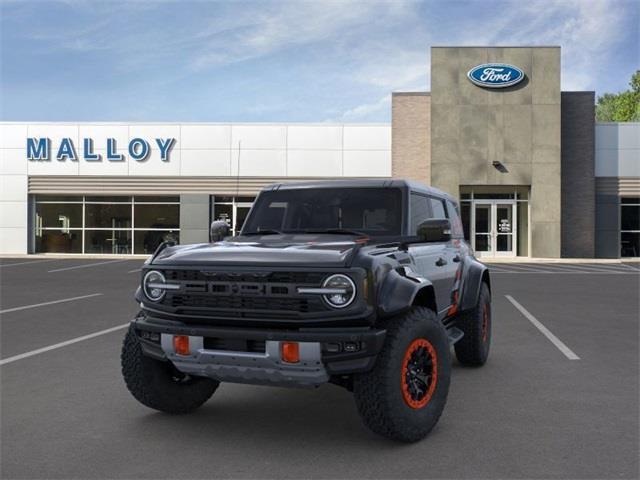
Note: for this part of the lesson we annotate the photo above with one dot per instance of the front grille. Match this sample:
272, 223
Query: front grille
252, 294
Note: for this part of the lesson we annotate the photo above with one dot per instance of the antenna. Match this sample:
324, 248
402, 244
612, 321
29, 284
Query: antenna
238, 170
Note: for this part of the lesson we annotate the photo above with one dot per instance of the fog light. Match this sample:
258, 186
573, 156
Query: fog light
181, 344
290, 352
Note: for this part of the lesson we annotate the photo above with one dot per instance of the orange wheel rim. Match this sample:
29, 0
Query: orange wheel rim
419, 373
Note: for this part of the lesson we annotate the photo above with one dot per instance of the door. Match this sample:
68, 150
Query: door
494, 228
240, 212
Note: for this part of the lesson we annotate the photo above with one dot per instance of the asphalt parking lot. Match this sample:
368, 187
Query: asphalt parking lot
534, 411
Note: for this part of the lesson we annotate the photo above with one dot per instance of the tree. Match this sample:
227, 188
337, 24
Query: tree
621, 107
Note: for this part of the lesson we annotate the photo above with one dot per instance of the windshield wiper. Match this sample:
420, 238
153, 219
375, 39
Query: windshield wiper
338, 231
263, 232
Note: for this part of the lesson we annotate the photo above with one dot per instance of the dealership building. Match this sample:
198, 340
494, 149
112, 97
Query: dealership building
535, 174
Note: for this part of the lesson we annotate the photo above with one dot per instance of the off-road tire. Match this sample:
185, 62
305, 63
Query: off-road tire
158, 384
473, 348
381, 394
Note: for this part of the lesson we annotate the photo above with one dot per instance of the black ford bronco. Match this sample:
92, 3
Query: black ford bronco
365, 284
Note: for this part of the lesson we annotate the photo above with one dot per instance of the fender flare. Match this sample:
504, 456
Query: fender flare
474, 274
401, 289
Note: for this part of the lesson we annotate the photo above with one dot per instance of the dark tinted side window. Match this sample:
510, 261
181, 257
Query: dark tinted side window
437, 208
419, 211
456, 223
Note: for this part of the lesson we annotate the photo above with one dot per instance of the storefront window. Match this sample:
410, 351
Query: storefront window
630, 227
233, 210
105, 224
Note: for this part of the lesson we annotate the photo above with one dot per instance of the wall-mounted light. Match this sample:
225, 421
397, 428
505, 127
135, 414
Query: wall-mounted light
500, 166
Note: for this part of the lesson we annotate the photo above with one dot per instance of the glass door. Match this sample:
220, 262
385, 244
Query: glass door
482, 235
240, 212
494, 227
504, 219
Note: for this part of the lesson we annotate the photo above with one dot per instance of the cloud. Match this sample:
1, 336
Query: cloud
368, 110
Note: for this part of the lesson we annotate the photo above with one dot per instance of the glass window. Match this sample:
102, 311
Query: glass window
59, 215
107, 215
148, 241
465, 210
156, 216
632, 200
108, 199
630, 217
630, 244
155, 199
456, 224
374, 211
58, 241
419, 211
107, 241
59, 198
223, 212
437, 208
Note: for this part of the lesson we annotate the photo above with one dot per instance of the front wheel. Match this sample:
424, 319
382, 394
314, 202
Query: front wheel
159, 385
404, 395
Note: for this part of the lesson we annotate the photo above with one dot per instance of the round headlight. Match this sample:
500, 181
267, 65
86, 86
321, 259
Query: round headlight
151, 283
343, 290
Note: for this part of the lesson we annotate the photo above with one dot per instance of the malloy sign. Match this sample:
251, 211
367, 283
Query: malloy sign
40, 149
495, 75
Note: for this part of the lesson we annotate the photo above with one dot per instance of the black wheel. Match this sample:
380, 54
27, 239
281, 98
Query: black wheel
473, 348
159, 385
404, 395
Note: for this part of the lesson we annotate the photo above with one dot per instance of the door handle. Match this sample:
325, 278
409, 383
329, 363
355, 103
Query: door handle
441, 262
456, 259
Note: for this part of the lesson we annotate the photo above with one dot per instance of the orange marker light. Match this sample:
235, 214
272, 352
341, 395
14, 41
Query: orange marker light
290, 352
181, 344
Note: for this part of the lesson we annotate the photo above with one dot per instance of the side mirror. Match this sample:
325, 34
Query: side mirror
435, 230
218, 231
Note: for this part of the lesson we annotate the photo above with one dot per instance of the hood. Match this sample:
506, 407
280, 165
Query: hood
276, 250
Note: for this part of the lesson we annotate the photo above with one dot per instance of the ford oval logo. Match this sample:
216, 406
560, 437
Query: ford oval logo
495, 75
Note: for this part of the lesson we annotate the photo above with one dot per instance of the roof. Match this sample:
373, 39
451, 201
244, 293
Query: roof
361, 183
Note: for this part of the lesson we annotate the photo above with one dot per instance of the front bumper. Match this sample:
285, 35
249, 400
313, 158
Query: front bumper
324, 352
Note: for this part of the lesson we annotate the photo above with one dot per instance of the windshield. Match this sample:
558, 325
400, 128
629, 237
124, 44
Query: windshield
372, 211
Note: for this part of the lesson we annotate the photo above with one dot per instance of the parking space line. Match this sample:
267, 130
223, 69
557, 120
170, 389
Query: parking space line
4, 265
87, 265
15, 358
35, 305
135, 270
544, 330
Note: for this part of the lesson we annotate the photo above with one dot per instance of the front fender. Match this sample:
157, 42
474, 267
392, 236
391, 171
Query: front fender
398, 292
474, 274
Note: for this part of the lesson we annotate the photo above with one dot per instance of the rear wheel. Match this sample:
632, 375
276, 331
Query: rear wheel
404, 395
473, 348
159, 385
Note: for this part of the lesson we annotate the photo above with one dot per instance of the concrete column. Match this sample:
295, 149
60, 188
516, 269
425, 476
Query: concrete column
194, 218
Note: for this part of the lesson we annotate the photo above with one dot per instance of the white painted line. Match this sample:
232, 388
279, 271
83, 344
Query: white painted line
134, 271
86, 265
35, 305
4, 265
544, 330
15, 358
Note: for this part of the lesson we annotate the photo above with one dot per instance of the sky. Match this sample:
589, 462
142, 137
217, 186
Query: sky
279, 61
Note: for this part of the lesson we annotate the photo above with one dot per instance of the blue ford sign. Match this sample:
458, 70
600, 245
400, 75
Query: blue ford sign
495, 75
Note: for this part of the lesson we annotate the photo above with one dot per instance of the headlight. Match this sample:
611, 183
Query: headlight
343, 290
154, 285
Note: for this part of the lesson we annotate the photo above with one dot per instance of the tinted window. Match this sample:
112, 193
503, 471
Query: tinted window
456, 223
437, 208
374, 211
419, 211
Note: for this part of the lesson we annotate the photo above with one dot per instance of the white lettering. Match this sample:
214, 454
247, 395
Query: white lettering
494, 75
